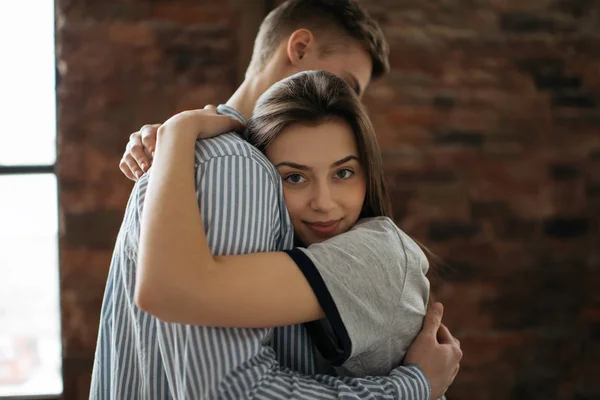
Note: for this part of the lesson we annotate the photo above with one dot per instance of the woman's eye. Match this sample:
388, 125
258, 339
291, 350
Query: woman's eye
294, 178
344, 173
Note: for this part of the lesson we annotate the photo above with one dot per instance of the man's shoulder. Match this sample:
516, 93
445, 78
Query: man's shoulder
231, 145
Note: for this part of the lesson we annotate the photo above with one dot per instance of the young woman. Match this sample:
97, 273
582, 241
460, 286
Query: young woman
355, 278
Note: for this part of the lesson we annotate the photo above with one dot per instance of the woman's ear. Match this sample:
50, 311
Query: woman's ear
300, 43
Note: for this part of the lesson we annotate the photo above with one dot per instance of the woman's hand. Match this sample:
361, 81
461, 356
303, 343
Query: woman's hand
201, 124
139, 151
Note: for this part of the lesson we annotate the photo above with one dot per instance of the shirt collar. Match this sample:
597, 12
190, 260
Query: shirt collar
224, 109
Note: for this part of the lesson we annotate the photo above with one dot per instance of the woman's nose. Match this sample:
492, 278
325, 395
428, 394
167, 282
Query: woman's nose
322, 199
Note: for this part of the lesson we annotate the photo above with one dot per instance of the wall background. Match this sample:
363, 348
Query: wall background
490, 127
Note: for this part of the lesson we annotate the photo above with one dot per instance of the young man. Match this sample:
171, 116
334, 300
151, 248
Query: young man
139, 357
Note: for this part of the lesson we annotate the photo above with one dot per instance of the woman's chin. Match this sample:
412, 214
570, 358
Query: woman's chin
302, 239
305, 237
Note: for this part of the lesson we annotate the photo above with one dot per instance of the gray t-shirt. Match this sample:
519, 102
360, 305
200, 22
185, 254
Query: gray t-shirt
372, 286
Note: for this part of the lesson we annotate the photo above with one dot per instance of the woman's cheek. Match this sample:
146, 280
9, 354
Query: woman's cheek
358, 193
292, 202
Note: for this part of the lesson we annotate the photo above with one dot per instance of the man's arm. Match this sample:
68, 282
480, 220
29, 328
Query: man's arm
433, 358
403, 383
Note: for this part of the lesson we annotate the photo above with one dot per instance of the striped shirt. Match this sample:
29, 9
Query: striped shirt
139, 357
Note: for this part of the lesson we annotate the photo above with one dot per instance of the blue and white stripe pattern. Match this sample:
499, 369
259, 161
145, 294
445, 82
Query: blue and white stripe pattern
138, 357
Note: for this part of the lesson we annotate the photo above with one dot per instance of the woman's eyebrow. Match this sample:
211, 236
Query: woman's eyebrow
292, 165
307, 168
344, 160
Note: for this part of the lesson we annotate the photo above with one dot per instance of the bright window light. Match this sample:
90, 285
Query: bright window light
30, 340
27, 80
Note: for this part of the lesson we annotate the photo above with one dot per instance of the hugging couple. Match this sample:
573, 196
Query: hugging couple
258, 258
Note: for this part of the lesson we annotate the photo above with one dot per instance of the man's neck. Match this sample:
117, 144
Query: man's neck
245, 97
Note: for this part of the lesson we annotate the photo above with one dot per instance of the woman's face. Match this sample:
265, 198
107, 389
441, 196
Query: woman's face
323, 181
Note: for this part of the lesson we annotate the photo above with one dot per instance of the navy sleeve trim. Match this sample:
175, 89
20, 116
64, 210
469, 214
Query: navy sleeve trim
334, 349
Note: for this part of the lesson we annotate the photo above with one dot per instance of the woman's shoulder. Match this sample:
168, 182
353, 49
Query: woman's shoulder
382, 229
375, 238
380, 223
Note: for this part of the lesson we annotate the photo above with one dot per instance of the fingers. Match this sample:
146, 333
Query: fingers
458, 354
433, 320
135, 157
140, 157
444, 336
148, 140
456, 345
126, 170
124, 165
130, 167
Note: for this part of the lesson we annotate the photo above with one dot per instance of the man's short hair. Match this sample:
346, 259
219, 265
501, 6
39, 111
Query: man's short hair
344, 16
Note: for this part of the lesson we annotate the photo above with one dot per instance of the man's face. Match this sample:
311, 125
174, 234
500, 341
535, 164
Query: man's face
351, 62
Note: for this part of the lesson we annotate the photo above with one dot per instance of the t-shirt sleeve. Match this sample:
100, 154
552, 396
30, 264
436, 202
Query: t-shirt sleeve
359, 278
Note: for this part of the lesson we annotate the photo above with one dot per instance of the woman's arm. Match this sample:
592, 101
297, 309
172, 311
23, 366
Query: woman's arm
178, 278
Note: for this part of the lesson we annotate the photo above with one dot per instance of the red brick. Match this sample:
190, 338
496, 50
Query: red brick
133, 35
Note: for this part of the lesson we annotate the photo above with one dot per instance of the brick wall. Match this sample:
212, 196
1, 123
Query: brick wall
490, 127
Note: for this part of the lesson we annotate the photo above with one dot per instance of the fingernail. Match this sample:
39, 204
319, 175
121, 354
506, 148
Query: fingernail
138, 174
152, 154
143, 167
436, 307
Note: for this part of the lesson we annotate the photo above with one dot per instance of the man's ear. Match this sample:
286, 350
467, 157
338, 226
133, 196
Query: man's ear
299, 44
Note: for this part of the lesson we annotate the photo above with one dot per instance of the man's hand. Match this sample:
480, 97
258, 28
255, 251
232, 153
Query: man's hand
436, 351
136, 158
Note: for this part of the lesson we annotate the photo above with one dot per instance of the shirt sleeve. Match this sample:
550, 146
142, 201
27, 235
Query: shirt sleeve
372, 287
241, 208
403, 383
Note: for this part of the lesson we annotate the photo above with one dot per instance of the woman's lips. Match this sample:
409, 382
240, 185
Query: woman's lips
324, 228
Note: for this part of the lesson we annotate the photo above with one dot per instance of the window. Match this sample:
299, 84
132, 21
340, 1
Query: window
30, 351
